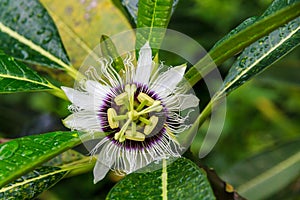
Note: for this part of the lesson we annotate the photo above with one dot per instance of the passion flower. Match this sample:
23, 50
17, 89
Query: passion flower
139, 112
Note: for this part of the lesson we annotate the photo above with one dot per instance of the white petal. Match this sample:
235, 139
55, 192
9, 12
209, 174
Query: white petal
166, 82
144, 66
188, 101
78, 98
96, 89
106, 158
83, 121
100, 170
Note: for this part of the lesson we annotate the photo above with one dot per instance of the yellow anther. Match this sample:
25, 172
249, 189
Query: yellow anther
153, 122
137, 136
121, 98
144, 97
111, 113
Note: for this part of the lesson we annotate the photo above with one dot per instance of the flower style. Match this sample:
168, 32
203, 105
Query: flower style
139, 112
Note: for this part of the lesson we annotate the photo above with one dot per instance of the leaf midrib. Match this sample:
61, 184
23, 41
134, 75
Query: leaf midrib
258, 60
32, 45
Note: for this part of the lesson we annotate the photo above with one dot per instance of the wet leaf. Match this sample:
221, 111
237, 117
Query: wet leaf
262, 54
19, 156
153, 17
28, 33
132, 7
17, 77
280, 15
181, 179
81, 24
234, 31
32, 184
42, 178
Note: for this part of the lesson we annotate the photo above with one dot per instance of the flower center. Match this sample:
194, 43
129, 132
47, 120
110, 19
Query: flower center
136, 117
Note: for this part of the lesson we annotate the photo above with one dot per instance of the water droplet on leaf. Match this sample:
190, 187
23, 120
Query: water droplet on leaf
26, 152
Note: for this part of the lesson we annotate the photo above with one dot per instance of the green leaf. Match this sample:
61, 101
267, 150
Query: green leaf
132, 7
28, 33
109, 49
19, 156
17, 77
97, 17
235, 31
35, 182
181, 179
153, 18
262, 54
32, 184
237, 42
269, 171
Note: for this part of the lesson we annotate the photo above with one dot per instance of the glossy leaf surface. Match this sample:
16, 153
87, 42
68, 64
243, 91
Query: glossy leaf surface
280, 16
28, 33
132, 7
153, 17
32, 184
19, 156
17, 77
181, 179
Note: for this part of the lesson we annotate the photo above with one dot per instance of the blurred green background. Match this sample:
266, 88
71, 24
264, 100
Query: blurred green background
262, 114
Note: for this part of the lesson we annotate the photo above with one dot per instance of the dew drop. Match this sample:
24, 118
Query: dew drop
16, 18
40, 31
27, 152
56, 143
25, 54
9, 168
40, 14
31, 14
252, 50
8, 149
23, 20
48, 37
